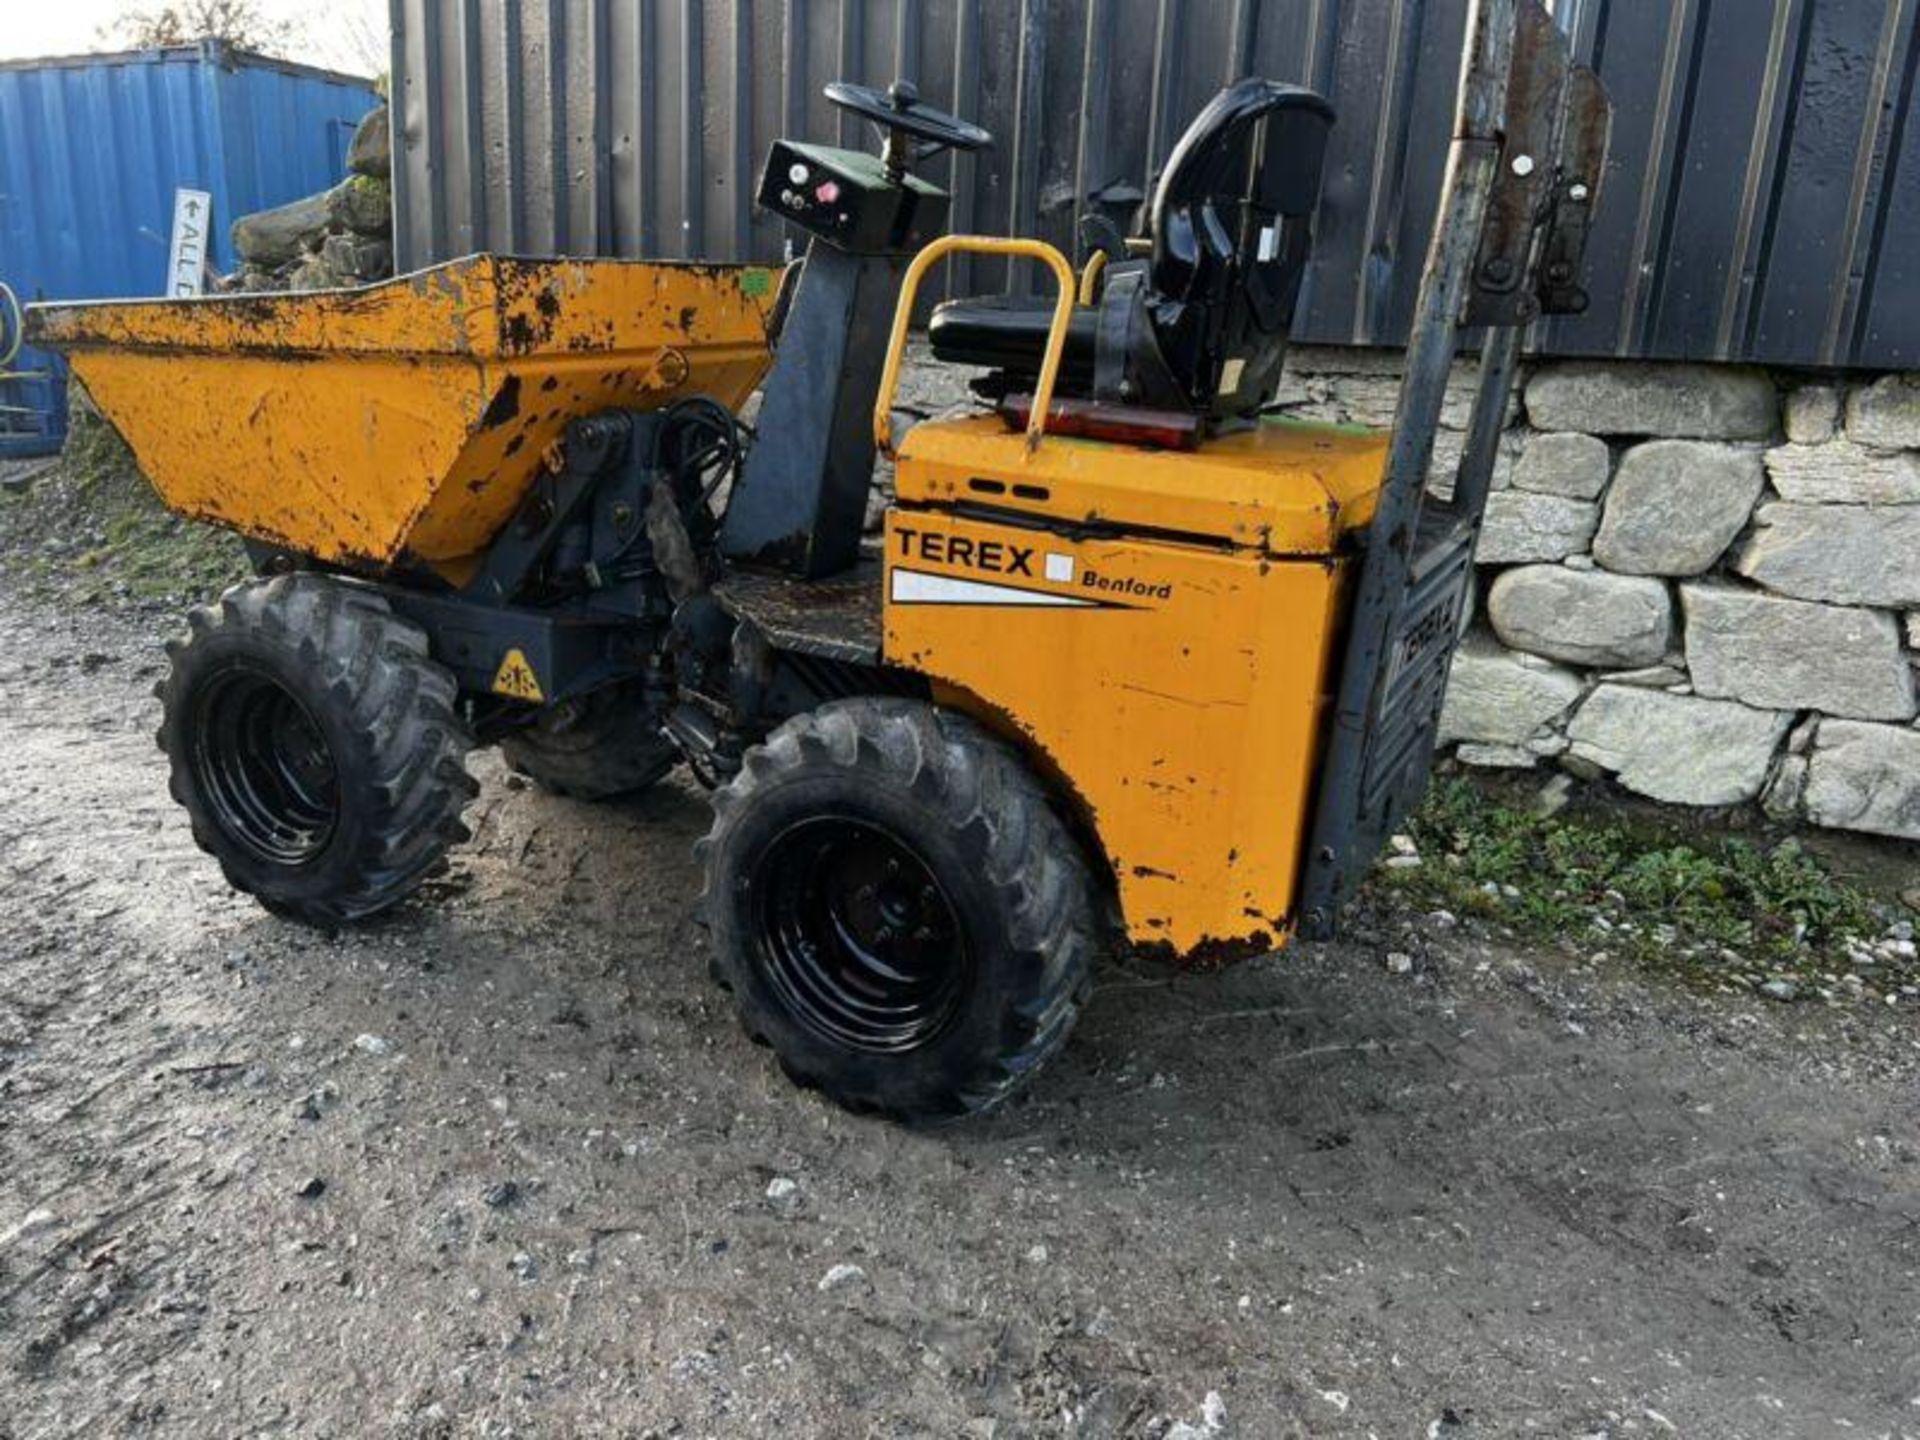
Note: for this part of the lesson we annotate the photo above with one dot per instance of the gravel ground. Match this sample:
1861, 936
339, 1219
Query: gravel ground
502, 1164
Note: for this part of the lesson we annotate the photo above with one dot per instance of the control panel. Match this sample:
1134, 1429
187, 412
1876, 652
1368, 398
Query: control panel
848, 199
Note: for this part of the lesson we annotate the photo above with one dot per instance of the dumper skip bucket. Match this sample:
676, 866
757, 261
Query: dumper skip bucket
408, 420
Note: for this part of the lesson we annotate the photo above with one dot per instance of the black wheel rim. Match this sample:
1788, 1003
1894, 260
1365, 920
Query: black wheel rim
857, 936
264, 768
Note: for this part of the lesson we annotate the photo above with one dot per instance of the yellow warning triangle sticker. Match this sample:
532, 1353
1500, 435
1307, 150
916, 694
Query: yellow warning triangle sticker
515, 678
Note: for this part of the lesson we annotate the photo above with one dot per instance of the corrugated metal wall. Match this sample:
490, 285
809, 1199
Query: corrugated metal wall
92, 149
1765, 173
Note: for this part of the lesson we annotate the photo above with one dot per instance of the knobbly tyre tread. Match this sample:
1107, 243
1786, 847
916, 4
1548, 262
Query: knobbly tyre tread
403, 773
1042, 890
608, 751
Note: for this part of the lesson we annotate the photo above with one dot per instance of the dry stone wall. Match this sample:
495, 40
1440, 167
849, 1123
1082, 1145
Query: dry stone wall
1701, 581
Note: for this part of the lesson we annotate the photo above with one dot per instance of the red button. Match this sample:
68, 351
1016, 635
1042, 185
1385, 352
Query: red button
827, 193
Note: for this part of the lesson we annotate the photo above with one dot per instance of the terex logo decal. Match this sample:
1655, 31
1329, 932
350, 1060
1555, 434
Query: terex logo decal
993, 556
1000, 561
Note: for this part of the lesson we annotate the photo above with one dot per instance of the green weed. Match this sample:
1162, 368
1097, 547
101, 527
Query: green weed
1706, 905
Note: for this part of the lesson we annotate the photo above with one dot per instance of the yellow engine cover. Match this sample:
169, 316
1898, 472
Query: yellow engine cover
1157, 630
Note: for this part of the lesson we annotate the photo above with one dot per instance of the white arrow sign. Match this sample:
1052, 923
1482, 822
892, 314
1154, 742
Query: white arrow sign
187, 255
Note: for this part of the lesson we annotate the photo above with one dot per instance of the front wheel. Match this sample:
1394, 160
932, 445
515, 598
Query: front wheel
315, 747
898, 910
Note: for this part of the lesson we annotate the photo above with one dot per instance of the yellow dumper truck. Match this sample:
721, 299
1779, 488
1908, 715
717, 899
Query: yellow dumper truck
1131, 658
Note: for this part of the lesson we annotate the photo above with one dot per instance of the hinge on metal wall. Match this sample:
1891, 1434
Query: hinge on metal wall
1505, 281
1583, 161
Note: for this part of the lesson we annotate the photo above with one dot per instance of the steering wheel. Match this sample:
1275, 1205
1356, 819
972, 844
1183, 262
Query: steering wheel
12, 330
898, 111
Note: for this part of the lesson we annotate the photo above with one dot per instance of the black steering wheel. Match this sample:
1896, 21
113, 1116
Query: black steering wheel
898, 111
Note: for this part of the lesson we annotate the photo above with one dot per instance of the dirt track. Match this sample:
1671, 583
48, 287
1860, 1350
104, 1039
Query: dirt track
500, 1164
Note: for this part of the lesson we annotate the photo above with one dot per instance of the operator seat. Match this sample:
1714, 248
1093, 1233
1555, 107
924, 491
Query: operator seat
1200, 323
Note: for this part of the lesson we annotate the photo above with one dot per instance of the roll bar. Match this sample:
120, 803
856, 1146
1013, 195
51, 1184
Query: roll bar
1056, 349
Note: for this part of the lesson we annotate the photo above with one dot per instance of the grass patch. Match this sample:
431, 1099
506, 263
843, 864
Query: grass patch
1731, 912
93, 530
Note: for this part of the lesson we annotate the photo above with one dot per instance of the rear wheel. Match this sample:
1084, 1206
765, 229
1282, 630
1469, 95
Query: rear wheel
596, 747
898, 910
314, 746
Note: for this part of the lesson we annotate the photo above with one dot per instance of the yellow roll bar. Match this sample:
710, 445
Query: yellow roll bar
903, 320
1090, 277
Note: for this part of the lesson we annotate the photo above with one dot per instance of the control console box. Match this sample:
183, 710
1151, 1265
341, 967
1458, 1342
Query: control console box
847, 199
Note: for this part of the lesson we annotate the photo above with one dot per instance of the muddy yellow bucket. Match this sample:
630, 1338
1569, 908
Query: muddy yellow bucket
407, 420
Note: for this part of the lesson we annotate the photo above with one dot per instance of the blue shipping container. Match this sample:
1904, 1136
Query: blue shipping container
92, 149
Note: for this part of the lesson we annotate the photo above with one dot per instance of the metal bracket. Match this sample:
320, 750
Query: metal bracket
1583, 165
591, 445
1525, 184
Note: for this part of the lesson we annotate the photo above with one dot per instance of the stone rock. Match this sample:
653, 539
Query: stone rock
1553, 797
1495, 697
841, 1276
1582, 617
361, 259
1886, 413
501, 1195
252, 280
1522, 526
1450, 445
1790, 655
317, 272
1844, 473
1865, 777
1495, 757
1680, 749
783, 1195
371, 152
1813, 415
1653, 677
1362, 387
1581, 768
1687, 402
1573, 465
1913, 631
272, 238
361, 205
1845, 554
1675, 506
1787, 790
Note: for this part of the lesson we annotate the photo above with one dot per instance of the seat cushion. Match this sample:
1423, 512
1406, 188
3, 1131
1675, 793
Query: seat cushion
1009, 332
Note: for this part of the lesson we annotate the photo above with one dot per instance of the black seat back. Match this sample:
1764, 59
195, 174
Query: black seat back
1231, 232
